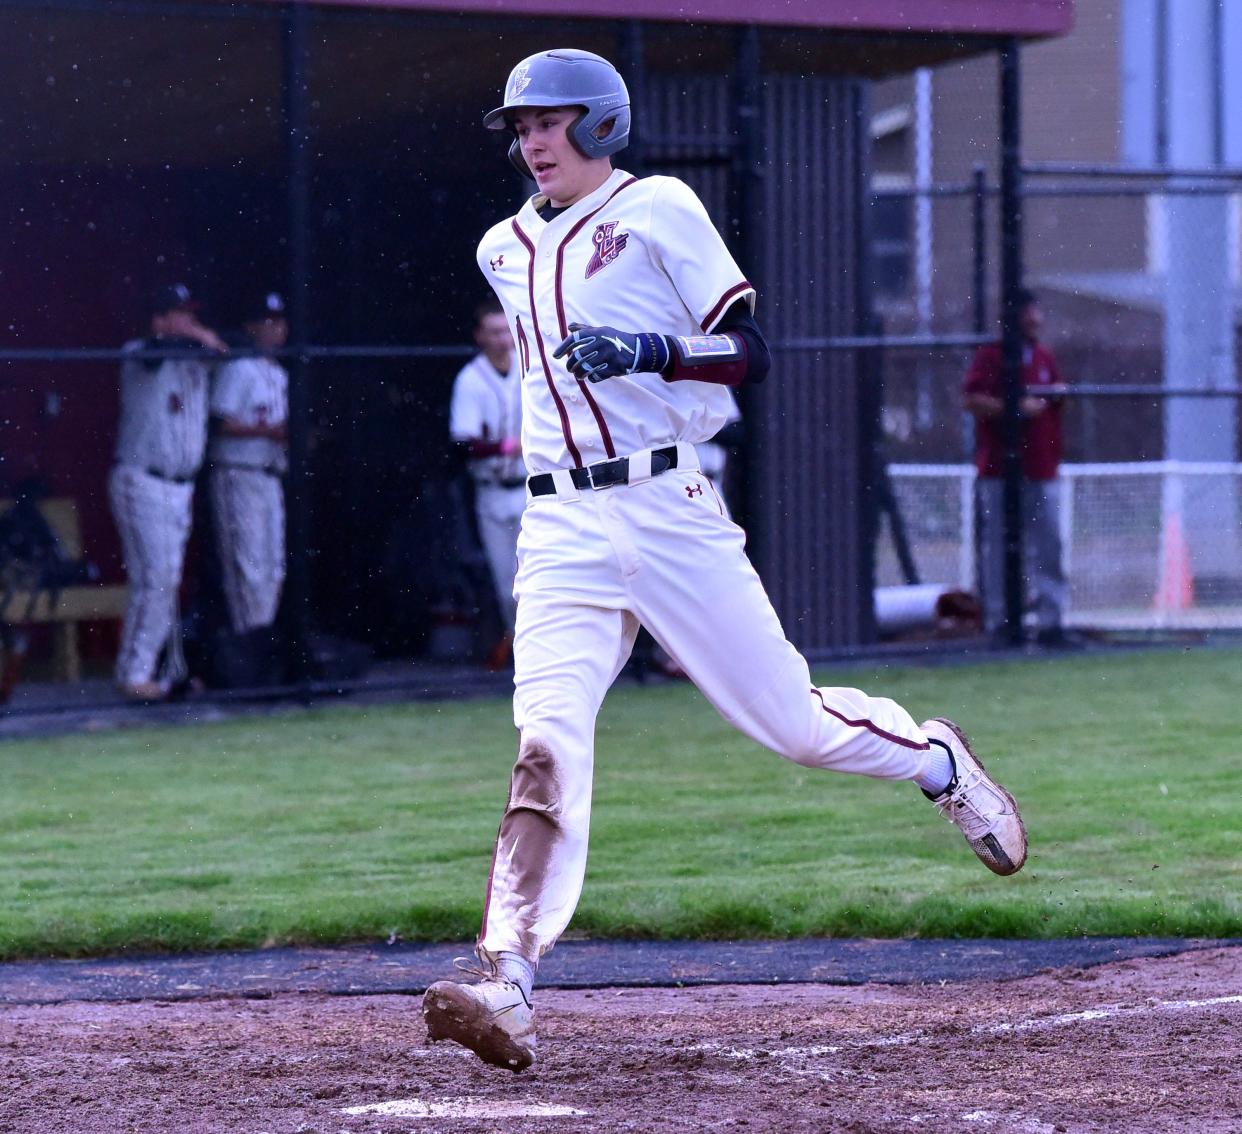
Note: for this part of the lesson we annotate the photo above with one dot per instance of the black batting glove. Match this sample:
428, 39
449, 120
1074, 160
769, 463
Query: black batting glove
597, 353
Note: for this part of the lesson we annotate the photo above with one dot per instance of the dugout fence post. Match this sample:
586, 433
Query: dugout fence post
634, 63
746, 202
1011, 331
295, 43
979, 228
868, 373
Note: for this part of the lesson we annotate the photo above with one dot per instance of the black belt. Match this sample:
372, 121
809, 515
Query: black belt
605, 474
171, 479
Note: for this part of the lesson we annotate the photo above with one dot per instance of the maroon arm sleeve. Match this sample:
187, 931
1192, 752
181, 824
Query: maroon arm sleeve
478, 447
751, 361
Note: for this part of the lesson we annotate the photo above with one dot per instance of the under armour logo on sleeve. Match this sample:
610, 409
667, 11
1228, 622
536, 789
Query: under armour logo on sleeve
497, 263
693, 490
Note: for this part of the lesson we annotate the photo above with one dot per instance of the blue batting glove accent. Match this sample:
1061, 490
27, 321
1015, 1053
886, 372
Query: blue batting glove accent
599, 353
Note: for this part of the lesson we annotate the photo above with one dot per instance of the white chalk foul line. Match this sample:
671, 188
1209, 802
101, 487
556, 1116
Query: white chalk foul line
1112, 1011
463, 1108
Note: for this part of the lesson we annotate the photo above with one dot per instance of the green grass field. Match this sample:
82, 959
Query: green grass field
348, 824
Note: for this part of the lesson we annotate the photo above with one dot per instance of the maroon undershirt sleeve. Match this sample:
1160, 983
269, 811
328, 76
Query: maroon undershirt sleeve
753, 366
480, 448
731, 373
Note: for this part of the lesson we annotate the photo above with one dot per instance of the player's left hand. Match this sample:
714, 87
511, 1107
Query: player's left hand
597, 353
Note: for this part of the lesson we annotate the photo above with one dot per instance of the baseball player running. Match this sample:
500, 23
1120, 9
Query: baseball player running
632, 320
250, 409
163, 431
485, 416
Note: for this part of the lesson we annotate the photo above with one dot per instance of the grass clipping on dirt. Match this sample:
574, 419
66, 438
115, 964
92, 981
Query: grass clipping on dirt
355, 824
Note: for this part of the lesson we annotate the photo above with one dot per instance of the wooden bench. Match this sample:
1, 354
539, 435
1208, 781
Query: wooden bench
86, 602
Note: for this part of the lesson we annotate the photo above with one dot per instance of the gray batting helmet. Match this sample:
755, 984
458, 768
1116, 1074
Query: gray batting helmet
568, 77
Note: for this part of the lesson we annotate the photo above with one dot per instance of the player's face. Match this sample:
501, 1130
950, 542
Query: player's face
493, 338
269, 334
1031, 320
562, 173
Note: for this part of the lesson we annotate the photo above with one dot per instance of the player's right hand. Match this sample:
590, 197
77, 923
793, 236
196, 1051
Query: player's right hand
185, 324
597, 353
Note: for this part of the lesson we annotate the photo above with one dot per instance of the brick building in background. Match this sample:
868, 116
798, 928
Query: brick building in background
1092, 97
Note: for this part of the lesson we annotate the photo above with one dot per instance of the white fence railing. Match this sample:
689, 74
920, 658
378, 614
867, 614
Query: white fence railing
1147, 545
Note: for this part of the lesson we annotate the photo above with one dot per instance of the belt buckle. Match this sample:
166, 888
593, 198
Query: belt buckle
591, 475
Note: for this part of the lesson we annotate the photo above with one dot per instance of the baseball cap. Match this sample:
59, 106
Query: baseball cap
265, 305
172, 297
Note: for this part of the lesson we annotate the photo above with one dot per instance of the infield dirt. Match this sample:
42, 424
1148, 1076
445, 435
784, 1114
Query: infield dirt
1148, 1046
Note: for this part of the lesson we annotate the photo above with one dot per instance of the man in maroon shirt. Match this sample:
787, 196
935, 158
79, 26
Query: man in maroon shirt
1041, 406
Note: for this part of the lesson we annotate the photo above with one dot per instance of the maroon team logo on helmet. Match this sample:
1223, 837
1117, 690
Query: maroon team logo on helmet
608, 246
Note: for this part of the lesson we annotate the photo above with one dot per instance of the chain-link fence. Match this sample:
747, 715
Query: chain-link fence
1137, 273
373, 209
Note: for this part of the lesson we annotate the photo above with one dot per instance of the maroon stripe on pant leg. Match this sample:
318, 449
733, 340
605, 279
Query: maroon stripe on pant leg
870, 726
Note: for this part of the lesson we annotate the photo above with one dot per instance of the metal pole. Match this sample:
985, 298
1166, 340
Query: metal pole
298, 174
634, 68
1162, 82
978, 216
745, 193
1011, 335
868, 366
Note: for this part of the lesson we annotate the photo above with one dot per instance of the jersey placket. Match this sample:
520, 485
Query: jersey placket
549, 279
532, 254
562, 322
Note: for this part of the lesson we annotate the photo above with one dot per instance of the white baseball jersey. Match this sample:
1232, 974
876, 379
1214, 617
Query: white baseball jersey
163, 426
637, 255
487, 405
253, 391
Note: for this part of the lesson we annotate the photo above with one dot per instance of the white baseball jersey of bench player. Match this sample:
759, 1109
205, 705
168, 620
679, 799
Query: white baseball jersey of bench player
163, 424
246, 491
639, 255
253, 391
488, 405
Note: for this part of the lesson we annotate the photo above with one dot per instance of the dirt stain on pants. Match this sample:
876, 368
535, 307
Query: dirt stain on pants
526, 893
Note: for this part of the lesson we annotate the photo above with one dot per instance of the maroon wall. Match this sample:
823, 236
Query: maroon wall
79, 253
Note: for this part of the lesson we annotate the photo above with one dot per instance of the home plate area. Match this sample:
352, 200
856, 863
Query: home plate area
1144, 1045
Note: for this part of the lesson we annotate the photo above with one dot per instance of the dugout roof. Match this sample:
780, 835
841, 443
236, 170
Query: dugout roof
967, 17
198, 83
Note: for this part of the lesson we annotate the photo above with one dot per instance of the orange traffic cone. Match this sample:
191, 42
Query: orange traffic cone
1177, 585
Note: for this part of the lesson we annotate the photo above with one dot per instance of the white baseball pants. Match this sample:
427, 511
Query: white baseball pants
499, 513
591, 567
153, 519
249, 510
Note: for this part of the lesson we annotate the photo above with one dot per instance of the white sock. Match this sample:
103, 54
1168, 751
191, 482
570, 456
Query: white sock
516, 968
940, 770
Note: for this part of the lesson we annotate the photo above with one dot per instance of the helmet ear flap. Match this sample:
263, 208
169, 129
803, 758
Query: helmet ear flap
518, 161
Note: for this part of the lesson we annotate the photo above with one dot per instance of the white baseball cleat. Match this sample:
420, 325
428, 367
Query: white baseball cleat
492, 1018
977, 805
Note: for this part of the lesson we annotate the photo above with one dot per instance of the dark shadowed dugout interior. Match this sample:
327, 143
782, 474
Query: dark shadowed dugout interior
335, 151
